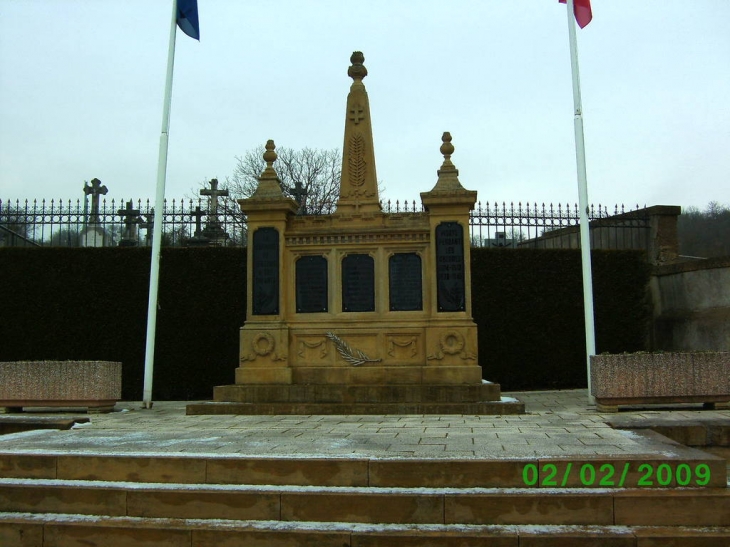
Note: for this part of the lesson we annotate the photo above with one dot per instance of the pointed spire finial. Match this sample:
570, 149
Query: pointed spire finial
448, 189
357, 70
447, 168
269, 185
270, 156
448, 180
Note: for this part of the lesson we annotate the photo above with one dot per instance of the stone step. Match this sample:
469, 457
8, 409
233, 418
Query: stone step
349, 393
475, 506
695, 469
486, 408
40, 530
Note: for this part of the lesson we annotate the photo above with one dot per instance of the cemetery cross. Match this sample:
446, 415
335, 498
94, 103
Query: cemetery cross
95, 189
131, 219
214, 192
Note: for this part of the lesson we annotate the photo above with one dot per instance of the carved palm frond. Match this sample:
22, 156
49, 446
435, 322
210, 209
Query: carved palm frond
355, 357
356, 162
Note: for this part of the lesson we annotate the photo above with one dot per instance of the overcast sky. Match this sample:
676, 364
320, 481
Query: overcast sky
82, 81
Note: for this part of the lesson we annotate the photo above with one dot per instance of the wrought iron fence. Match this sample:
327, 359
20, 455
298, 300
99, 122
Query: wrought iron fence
74, 223
548, 226
557, 226
190, 222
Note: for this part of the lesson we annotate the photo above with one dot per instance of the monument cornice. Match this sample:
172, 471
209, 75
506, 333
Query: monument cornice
359, 223
358, 238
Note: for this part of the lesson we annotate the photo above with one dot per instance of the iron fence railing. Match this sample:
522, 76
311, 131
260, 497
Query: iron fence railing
540, 225
547, 226
189, 222
123, 222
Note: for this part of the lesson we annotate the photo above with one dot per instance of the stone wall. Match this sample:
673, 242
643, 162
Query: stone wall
692, 306
653, 229
92, 384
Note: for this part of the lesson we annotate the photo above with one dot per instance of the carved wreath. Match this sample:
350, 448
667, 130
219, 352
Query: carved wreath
451, 342
355, 357
263, 344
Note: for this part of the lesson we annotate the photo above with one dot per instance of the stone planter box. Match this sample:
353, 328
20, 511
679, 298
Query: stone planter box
95, 385
657, 378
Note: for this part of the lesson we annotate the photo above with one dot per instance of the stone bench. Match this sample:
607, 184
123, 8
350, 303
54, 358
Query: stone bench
95, 385
660, 378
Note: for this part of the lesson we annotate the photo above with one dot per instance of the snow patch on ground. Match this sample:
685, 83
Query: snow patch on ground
304, 526
266, 488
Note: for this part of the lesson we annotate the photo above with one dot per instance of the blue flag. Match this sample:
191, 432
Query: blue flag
187, 18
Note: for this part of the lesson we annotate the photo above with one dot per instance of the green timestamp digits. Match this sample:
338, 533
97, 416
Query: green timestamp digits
609, 475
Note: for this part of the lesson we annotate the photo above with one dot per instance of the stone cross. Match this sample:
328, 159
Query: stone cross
95, 189
357, 114
213, 193
131, 219
299, 192
198, 214
149, 225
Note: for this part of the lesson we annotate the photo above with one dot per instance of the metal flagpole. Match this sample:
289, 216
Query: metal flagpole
585, 242
149, 358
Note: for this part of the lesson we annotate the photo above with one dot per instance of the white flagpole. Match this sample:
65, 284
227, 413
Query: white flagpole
149, 357
585, 242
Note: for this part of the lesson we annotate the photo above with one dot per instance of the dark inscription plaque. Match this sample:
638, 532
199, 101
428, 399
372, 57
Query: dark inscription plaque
358, 283
406, 293
450, 267
265, 271
311, 284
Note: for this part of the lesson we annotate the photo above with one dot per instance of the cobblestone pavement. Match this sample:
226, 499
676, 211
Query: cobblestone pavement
556, 424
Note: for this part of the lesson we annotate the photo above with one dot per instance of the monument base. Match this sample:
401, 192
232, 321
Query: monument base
307, 399
491, 408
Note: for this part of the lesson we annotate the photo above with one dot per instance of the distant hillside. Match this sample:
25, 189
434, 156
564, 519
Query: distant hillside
705, 233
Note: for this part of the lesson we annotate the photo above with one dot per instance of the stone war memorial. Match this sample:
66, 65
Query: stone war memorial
359, 311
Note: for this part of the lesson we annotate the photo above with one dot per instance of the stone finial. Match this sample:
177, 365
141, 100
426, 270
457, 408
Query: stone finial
270, 155
446, 147
269, 185
448, 174
357, 70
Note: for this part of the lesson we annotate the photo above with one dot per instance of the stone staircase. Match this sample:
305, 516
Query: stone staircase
203, 500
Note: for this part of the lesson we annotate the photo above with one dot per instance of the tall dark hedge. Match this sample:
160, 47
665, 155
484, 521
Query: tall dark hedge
70, 304
77, 304
528, 305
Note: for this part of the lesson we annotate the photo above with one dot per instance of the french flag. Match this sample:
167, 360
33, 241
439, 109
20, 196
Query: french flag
187, 18
582, 10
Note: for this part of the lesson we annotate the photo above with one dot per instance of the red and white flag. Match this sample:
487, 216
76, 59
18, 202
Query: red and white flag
582, 10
